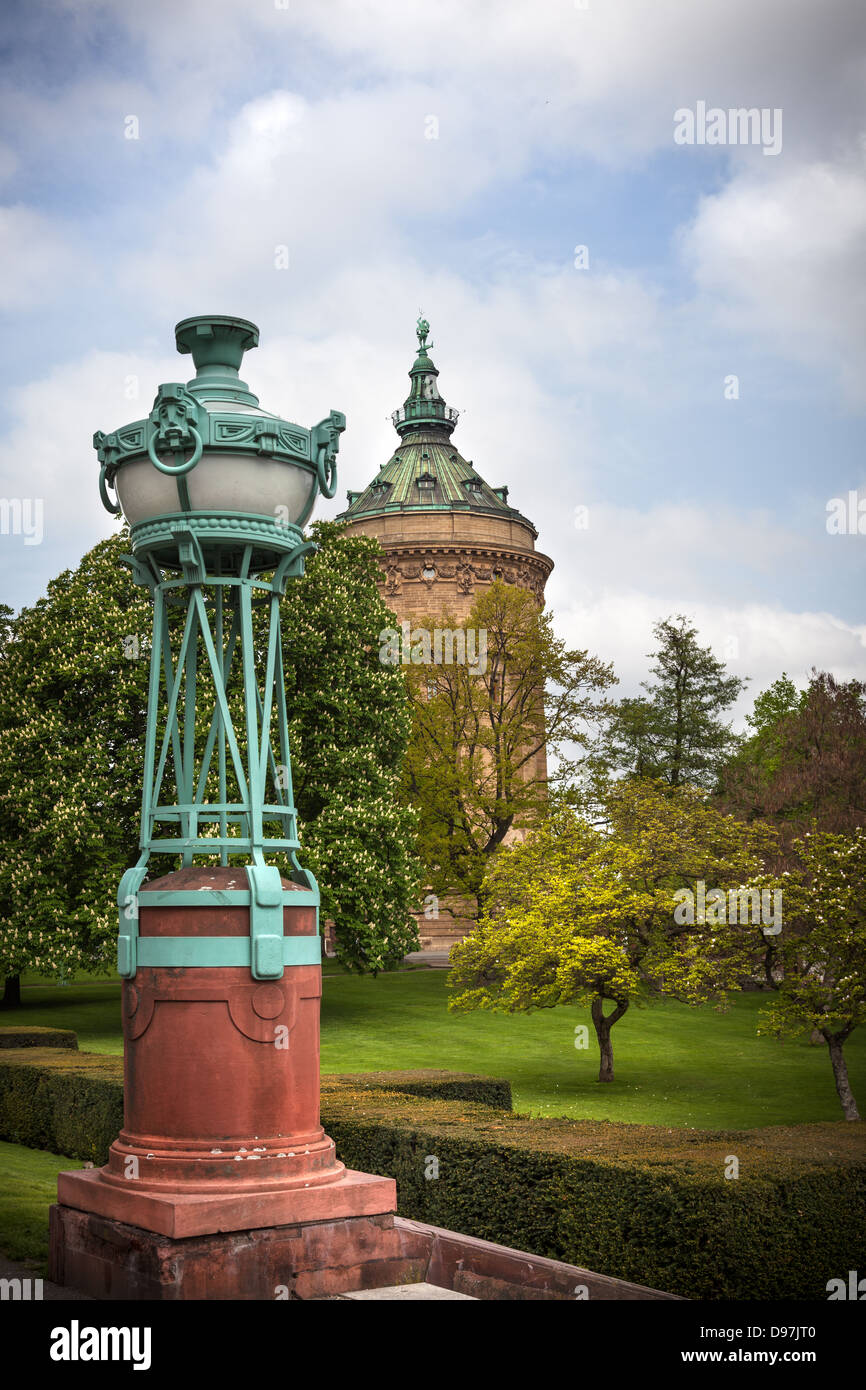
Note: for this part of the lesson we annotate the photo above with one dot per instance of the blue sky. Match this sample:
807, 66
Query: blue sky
552, 126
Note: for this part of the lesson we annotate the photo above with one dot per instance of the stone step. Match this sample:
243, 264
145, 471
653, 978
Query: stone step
407, 1293
434, 960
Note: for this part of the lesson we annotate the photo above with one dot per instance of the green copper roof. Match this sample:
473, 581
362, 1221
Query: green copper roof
425, 472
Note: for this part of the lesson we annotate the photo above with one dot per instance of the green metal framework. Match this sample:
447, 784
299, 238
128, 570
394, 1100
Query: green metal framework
217, 765
218, 629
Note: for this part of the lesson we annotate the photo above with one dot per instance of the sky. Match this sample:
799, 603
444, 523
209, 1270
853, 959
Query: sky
657, 343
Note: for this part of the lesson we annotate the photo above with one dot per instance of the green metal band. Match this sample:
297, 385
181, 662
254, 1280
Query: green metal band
196, 952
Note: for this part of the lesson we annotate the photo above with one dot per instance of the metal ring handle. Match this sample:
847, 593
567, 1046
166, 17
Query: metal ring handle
113, 507
183, 467
327, 485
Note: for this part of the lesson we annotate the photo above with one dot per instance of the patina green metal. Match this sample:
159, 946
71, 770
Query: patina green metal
174, 952
424, 405
210, 565
426, 472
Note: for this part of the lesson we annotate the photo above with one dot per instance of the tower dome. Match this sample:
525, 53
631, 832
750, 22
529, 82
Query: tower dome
433, 513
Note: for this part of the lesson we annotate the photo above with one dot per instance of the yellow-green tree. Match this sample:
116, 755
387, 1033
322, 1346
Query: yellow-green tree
824, 954
600, 916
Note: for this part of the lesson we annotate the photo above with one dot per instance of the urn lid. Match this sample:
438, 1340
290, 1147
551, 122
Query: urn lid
217, 343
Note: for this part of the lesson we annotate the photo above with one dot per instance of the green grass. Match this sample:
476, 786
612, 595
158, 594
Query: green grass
28, 1186
675, 1065
92, 1008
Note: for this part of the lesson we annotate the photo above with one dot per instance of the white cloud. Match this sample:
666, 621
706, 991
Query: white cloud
560, 374
781, 258
36, 258
47, 452
605, 78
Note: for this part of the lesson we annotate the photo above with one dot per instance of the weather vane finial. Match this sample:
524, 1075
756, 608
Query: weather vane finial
422, 330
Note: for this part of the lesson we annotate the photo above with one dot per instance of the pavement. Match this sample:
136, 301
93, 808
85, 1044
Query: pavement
435, 960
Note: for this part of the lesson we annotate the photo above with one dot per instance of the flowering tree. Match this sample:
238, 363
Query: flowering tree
73, 706
595, 916
824, 952
73, 700
349, 724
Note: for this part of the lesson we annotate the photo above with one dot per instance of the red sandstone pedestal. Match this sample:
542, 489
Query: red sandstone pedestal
221, 1120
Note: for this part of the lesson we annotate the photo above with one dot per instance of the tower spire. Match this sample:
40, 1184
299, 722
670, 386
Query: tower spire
424, 407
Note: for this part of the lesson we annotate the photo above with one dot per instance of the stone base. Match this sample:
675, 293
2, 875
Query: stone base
106, 1259
182, 1215
109, 1259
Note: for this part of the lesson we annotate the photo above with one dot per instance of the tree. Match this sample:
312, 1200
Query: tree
350, 722
476, 767
73, 683
772, 707
676, 733
824, 985
806, 761
744, 779
12, 983
73, 686
577, 914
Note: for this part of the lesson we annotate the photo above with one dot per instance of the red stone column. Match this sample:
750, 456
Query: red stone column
221, 1089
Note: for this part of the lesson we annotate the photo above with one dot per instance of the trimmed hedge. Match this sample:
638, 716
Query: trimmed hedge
66, 1102
493, 1091
38, 1037
637, 1202
74, 1105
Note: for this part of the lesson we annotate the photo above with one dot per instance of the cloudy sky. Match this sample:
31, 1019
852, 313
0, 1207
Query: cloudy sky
453, 157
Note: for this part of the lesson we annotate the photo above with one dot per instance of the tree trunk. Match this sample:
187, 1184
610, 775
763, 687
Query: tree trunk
602, 1032
11, 992
769, 962
840, 1076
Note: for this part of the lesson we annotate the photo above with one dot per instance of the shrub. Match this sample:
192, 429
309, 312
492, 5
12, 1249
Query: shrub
38, 1037
636, 1202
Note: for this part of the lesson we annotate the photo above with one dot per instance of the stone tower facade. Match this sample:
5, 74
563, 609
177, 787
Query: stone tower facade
445, 534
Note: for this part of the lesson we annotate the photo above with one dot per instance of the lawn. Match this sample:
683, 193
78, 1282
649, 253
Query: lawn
675, 1065
28, 1186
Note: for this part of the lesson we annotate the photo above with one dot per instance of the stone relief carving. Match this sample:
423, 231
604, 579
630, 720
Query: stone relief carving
428, 569
464, 579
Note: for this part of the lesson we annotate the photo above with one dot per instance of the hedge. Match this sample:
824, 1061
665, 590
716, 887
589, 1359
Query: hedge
38, 1037
74, 1104
66, 1102
636, 1202
446, 1085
